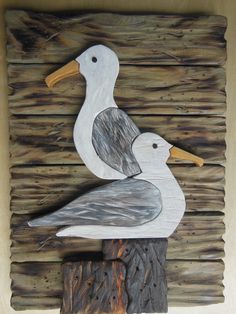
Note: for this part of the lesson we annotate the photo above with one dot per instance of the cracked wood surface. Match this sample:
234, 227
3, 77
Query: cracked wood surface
140, 90
190, 283
146, 284
93, 287
49, 140
42, 38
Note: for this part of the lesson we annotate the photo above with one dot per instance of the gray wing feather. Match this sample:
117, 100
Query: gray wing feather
112, 138
127, 203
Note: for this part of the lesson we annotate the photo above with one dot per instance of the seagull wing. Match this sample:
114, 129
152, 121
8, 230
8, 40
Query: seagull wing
127, 203
112, 138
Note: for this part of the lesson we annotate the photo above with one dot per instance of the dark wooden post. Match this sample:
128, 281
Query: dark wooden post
146, 283
94, 288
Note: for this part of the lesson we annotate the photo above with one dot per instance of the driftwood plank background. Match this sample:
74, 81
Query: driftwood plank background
170, 82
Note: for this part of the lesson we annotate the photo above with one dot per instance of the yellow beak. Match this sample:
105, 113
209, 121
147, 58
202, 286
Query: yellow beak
67, 70
176, 152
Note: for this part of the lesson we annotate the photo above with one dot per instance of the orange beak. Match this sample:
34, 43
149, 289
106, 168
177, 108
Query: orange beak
176, 152
70, 69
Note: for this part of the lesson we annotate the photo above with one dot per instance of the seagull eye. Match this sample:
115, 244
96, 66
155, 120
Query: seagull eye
94, 59
154, 145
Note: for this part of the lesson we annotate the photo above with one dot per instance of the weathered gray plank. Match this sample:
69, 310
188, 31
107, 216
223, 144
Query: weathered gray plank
197, 283
38, 189
94, 287
48, 139
197, 237
41, 38
180, 90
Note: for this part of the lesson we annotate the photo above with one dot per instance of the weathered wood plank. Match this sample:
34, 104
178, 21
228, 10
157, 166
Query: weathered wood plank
197, 237
197, 283
92, 287
146, 284
22, 303
41, 38
139, 90
48, 139
38, 189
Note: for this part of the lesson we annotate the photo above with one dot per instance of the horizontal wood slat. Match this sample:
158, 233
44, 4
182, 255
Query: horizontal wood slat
41, 188
48, 139
197, 237
42, 38
139, 90
196, 282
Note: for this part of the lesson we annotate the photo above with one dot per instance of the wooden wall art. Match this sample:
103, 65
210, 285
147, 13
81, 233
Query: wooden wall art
93, 238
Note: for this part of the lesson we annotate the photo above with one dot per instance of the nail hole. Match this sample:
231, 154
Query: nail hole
154, 145
94, 59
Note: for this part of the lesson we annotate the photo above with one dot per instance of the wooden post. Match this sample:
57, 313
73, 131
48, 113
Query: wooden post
94, 288
146, 283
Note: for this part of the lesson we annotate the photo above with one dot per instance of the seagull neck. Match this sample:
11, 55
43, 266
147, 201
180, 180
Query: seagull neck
100, 94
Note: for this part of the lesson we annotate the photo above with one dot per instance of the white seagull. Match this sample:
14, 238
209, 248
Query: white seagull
149, 205
103, 134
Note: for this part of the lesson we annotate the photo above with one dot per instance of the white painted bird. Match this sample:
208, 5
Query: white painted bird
149, 205
103, 134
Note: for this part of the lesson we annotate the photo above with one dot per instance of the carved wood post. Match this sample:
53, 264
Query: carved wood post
146, 283
94, 288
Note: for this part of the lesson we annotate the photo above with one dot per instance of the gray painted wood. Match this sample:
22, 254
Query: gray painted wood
124, 203
112, 137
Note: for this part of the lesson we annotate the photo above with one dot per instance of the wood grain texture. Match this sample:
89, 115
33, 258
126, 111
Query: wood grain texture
120, 203
198, 237
42, 38
179, 90
146, 284
94, 288
40, 189
48, 139
40, 284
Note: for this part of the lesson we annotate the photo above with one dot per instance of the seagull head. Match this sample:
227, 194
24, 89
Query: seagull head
151, 149
97, 63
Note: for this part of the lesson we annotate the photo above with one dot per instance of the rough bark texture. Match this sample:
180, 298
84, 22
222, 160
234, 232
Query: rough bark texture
190, 283
179, 90
146, 279
94, 288
198, 237
44, 38
48, 139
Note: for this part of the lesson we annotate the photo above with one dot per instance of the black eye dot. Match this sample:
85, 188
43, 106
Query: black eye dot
94, 59
154, 145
